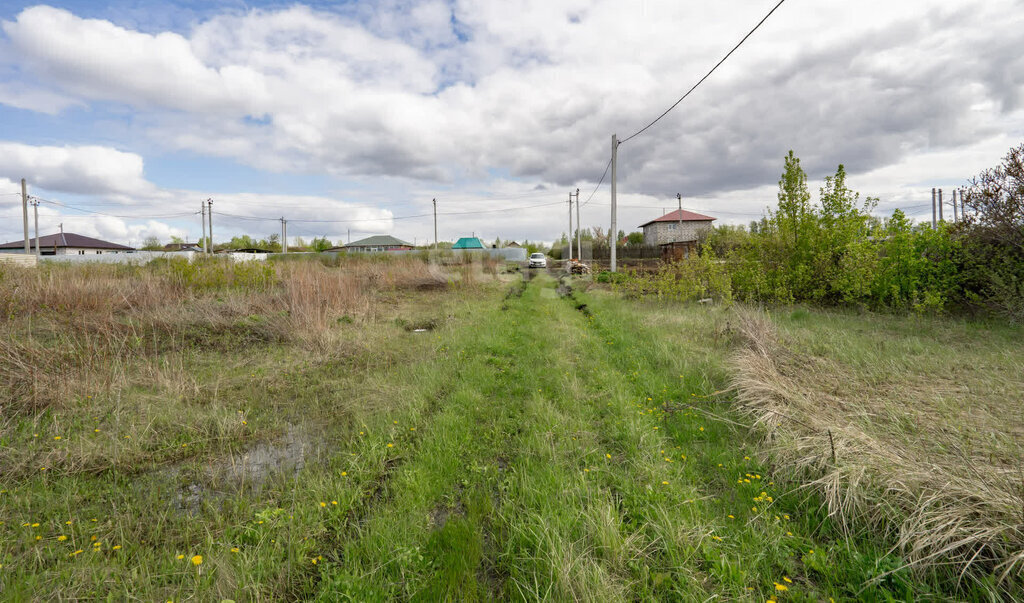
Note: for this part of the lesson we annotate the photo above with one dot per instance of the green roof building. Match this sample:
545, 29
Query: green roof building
378, 243
468, 243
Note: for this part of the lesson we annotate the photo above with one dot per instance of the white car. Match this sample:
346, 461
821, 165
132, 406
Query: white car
537, 260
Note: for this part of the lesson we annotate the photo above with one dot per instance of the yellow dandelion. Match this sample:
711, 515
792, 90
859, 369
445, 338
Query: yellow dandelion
786, 578
62, 538
780, 587
732, 517
74, 553
323, 504
180, 557
235, 549
56, 437
664, 483
116, 547
197, 560
35, 525
391, 445
344, 473
334, 502
96, 430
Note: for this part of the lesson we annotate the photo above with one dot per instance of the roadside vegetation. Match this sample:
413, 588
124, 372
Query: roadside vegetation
387, 429
836, 253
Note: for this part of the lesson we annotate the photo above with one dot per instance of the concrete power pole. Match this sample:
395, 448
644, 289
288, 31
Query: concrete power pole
570, 226
24, 213
954, 206
935, 223
435, 224
613, 234
284, 235
679, 198
209, 212
202, 207
35, 213
579, 245
940, 205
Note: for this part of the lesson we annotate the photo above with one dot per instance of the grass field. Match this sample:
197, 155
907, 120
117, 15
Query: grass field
382, 431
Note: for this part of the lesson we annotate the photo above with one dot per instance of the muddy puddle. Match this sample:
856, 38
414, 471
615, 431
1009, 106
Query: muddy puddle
251, 469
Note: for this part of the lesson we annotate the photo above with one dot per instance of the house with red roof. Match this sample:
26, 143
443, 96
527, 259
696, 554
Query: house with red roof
677, 226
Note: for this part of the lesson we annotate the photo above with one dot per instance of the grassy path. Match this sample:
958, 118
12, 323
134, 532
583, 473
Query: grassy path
548, 446
560, 464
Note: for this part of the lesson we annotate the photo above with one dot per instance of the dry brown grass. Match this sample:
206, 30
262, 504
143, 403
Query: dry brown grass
912, 429
70, 330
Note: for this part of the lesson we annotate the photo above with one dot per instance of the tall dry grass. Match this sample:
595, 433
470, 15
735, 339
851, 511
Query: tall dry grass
68, 330
940, 470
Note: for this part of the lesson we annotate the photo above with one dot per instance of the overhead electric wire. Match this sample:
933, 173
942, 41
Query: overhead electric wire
599, 182
409, 217
706, 75
98, 213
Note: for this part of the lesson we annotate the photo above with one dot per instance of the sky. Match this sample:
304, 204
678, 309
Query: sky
349, 118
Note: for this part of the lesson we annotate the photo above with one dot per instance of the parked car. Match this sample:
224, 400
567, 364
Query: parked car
538, 260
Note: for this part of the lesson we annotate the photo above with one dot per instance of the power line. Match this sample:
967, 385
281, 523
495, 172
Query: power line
97, 213
409, 217
706, 75
599, 182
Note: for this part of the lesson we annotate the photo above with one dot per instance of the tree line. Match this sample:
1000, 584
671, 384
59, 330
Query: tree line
836, 252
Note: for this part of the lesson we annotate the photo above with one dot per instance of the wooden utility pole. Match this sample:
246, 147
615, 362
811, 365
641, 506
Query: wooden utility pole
579, 245
435, 225
284, 235
613, 235
24, 212
35, 213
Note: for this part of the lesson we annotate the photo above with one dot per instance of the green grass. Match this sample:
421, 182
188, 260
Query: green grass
532, 446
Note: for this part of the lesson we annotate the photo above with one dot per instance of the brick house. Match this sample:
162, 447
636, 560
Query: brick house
676, 227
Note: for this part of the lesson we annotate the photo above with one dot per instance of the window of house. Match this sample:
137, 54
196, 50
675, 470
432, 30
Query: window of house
81, 252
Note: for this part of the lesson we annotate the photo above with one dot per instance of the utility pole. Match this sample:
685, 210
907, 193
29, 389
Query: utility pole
35, 213
614, 233
284, 235
679, 198
579, 246
24, 212
935, 223
209, 211
570, 226
954, 206
202, 207
435, 224
940, 205
349, 235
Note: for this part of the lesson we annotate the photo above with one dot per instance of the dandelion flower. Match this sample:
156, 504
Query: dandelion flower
35, 525
323, 504
235, 549
180, 557
391, 445
786, 578
116, 547
780, 587
68, 522
344, 473
96, 430
732, 517
62, 538
197, 560
607, 456
56, 437
74, 553
334, 502
664, 483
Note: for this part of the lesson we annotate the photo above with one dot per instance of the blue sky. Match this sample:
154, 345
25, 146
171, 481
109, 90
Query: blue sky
355, 115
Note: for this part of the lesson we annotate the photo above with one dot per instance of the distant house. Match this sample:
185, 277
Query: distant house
512, 244
679, 226
468, 243
182, 247
375, 244
66, 243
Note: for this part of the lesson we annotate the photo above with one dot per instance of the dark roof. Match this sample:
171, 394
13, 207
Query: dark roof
468, 243
379, 241
674, 216
68, 239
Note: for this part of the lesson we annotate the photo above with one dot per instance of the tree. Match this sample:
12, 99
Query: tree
635, 239
151, 243
321, 244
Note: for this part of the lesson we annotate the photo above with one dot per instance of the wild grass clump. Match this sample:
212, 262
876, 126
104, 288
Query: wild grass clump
908, 429
71, 330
